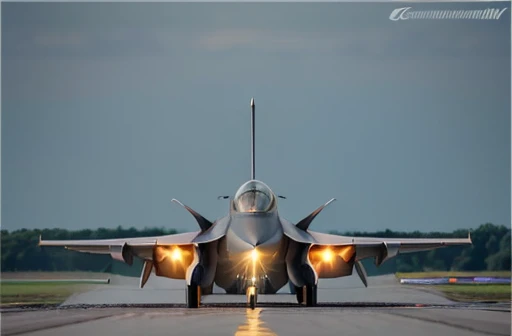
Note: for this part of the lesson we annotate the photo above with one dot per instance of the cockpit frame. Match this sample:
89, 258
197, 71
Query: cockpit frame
254, 197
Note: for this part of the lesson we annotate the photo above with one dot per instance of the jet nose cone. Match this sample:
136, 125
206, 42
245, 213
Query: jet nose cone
252, 102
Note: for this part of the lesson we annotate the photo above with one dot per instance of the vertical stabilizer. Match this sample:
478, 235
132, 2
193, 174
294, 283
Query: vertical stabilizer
253, 154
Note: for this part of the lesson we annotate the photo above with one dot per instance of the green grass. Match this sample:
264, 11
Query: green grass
415, 275
475, 292
465, 292
16, 293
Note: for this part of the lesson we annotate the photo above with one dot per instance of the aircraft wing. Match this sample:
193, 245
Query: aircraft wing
368, 246
381, 249
123, 249
385, 248
332, 255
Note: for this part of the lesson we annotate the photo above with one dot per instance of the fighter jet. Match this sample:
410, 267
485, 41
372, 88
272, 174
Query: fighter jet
253, 249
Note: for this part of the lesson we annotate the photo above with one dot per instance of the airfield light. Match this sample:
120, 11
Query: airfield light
327, 255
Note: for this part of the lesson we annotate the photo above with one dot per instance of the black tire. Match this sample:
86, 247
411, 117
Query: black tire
311, 292
192, 296
299, 293
252, 301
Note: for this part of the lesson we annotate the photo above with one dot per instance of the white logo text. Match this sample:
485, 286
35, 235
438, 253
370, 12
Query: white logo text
407, 13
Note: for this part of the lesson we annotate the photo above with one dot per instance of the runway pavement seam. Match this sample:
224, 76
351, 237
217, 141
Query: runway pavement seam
433, 320
55, 325
432, 291
125, 316
496, 310
333, 306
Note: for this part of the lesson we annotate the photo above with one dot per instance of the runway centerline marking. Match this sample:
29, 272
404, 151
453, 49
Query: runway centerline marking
253, 325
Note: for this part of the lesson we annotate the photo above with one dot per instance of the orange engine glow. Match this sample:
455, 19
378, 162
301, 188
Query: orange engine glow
329, 261
172, 261
176, 254
327, 255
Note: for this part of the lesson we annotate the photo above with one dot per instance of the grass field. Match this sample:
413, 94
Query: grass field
476, 292
466, 292
53, 275
17, 293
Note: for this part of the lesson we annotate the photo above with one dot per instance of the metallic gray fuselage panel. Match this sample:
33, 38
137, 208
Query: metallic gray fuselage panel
217, 230
248, 231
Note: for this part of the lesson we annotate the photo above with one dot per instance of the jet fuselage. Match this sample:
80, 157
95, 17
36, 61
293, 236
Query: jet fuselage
254, 247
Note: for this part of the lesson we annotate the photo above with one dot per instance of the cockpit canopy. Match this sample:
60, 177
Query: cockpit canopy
254, 196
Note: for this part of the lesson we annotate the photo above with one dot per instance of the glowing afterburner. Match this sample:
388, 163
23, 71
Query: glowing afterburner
332, 261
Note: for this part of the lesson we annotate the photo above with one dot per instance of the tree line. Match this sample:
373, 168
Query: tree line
491, 250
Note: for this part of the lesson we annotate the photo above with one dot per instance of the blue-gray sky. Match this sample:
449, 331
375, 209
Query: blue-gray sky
111, 110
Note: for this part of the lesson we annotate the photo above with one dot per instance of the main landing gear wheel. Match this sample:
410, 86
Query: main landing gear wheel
193, 296
299, 293
310, 293
306, 295
252, 295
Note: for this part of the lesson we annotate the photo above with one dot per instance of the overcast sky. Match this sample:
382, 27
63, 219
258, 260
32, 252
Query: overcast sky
111, 110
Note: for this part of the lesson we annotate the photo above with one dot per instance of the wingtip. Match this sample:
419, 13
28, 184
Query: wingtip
332, 200
174, 200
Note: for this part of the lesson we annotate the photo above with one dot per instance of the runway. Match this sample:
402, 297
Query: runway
347, 308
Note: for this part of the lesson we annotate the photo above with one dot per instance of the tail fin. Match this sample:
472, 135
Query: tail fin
253, 154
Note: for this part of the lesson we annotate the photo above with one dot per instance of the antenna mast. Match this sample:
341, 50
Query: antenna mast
253, 163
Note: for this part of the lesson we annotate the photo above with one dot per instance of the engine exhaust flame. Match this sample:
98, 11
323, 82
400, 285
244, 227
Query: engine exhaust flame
330, 260
172, 261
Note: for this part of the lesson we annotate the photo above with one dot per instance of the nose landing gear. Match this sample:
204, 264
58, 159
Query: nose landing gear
252, 296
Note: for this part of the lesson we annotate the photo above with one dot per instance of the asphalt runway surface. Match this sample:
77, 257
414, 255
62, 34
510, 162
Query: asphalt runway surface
346, 308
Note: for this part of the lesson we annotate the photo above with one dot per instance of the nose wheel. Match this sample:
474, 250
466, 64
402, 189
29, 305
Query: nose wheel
252, 296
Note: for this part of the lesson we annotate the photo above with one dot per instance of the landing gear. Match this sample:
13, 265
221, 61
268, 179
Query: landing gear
310, 293
193, 296
307, 295
252, 296
299, 293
